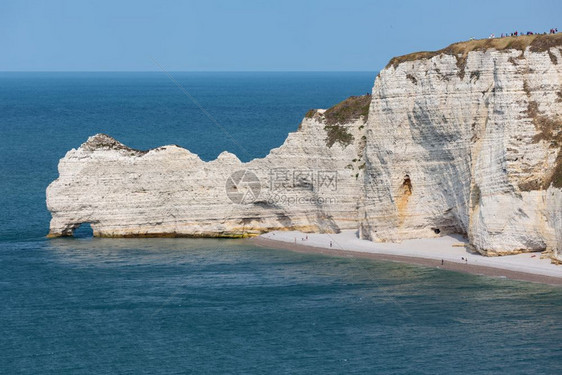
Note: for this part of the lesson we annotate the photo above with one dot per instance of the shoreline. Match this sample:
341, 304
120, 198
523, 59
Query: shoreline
431, 252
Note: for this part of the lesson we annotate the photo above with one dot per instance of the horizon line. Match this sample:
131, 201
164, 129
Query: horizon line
189, 71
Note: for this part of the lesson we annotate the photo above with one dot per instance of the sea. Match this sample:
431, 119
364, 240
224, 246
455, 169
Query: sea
87, 305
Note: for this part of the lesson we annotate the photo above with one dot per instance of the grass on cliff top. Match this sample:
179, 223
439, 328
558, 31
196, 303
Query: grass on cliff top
310, 113
537, 43
350, 109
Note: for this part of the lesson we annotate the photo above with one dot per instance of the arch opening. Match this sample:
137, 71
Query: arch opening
83, 230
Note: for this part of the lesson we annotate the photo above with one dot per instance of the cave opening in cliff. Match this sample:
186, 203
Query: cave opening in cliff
84, 230
407, 185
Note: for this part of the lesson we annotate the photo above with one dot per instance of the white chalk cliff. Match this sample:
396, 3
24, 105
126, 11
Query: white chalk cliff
310, 183
464, 140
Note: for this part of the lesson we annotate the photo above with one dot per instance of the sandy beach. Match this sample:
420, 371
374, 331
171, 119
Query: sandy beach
447, 252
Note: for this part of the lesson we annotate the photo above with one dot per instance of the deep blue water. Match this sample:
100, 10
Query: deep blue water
132, 306
43, 115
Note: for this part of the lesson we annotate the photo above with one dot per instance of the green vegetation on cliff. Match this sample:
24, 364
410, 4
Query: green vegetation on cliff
344, 112
337, 133
350, 109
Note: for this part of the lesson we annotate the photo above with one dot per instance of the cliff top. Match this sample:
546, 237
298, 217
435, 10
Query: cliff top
350, 109
537, 43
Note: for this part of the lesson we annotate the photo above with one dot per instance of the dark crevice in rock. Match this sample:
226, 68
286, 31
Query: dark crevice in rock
553, 57
412, 78
407, 185
475, 195
526, 88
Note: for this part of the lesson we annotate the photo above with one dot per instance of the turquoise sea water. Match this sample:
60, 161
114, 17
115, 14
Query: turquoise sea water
132, 306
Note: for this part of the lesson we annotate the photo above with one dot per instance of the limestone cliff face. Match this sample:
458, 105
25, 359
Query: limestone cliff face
463, 140
468, 142
310, 183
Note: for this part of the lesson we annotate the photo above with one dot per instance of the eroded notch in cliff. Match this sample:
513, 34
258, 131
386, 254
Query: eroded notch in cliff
78, 230
407, 185
404, 197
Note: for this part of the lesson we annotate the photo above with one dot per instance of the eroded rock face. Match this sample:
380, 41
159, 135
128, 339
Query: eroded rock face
310, 183
463, 140
470, 147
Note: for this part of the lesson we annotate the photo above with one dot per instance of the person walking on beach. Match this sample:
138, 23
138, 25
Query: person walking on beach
441, 261
330, 243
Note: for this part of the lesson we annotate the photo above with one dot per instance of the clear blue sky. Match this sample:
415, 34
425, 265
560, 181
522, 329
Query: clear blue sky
315, 35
